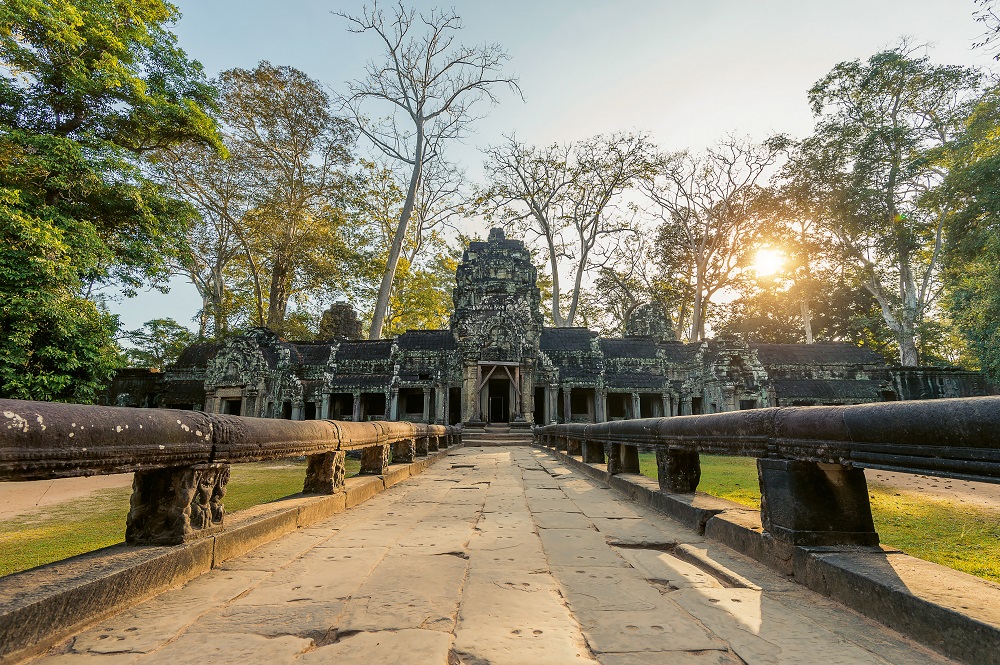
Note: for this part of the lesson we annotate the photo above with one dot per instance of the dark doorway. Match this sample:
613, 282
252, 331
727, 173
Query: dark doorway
309, 413
341, 406
232, 407
541, 407
499, 400
454, 406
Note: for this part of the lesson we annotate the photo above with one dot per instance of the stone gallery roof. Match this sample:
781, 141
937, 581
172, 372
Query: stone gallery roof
636, 380
317, 353
815, 354
379, 381
373, 349
823, 389
197, 355
426, 340
566, 339
630, 347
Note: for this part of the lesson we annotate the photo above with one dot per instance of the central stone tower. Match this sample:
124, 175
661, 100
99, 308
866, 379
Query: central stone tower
497, 325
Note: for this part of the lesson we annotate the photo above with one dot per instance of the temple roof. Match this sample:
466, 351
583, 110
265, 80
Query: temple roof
566, 339
426, 340
368, 349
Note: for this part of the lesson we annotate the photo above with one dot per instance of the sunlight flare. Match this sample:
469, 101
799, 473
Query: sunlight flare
768, 261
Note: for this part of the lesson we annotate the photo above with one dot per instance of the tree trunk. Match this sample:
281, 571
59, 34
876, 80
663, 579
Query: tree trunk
806, 319
697, 324
385, 289
277, 299
557, 319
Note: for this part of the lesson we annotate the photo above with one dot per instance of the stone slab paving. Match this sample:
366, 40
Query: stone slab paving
491, 556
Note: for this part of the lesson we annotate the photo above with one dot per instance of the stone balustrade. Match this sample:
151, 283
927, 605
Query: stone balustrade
810, 460
181, 459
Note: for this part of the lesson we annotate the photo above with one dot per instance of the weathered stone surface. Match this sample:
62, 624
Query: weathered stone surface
325, 473
194, 648
678, 471
173, 506
578, 547
375, 460
668, 570
400, 647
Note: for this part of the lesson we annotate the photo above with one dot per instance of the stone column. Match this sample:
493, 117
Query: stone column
356, 407
815, 504
636, 406
602, 405
324, 413
470, 396
176, 505
678, 471
426, 416
440, 405
528, 394
298, 411
667, 409
394, 403
567, 404
375, 460
325, 473
686, 405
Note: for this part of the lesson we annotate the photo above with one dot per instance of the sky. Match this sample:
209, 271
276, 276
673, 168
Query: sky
686, 71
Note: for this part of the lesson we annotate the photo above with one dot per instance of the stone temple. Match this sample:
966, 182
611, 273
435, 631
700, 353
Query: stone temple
498, 363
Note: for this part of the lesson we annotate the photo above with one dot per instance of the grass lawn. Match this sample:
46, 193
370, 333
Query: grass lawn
99, 520
927, 527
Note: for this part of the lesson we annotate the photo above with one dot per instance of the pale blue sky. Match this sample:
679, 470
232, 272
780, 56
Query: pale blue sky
687, 72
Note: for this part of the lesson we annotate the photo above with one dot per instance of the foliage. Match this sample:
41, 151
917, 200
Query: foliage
972, 256
873, 166
88, 89
273, 227
158, 343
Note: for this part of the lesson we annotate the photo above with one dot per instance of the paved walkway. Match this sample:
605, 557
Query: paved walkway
491, 556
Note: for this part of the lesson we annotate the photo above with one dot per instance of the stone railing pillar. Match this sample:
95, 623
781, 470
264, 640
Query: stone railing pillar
678, 471
432, 443
815, 504
176, 505
375, 460
622, 458
325, 473
422, 448
404, 452
573, 446
593, 453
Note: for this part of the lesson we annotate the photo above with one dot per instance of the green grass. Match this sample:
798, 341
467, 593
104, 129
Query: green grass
98, 521
929, 528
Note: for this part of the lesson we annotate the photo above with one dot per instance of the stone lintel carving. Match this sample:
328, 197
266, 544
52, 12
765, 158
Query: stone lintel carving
176, 505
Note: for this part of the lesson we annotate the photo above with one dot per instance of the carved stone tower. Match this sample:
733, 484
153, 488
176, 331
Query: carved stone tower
497, 325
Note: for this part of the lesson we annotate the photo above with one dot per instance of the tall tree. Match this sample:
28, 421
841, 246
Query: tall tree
881, 125
430, 88
88, 89
567, 198
712, 212
272, 213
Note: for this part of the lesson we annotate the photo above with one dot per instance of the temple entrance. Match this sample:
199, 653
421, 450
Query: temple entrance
498, 392
499, 401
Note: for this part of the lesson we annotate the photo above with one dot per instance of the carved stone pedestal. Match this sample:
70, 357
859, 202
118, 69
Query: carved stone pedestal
573, 446
432, 444
622, 458
325, 473
422, 446
593, 453
678, 471
375, 460
176, 505
808, 503
404, 452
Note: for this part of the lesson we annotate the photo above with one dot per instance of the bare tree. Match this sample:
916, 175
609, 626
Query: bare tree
708, 207
566, 198
430, 87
